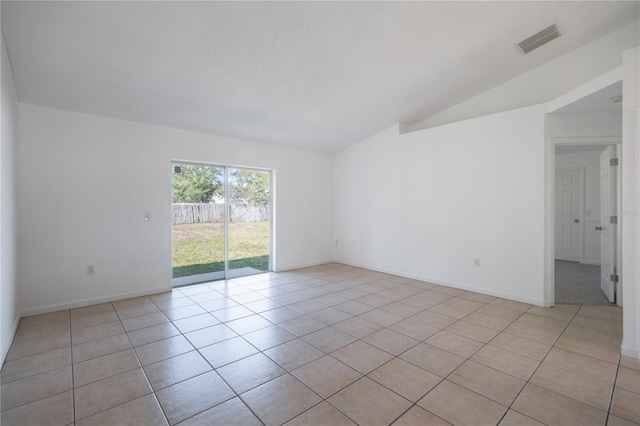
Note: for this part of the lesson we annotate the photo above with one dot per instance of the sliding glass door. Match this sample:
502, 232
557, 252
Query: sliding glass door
221, 222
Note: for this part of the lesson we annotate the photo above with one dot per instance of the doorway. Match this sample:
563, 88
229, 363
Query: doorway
221, 222
585, 241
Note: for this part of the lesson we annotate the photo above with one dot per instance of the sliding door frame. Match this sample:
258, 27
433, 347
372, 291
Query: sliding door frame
227, 210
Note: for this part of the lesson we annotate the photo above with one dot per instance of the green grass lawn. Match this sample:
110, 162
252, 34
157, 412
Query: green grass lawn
198, 248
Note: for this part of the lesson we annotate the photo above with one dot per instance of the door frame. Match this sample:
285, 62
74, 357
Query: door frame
272, 213
549, 213
581, 196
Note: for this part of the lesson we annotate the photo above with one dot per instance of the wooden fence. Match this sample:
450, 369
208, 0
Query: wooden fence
214, 213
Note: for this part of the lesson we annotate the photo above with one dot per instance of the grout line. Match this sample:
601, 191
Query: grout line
613, 389
139, 367
73, 380
540, 364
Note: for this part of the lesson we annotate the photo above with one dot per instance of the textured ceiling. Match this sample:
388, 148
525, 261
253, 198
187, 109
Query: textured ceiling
314, 75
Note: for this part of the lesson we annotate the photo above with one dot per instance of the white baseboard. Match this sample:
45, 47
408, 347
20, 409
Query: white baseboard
452, 284
630, 352
92, 301
302, 265
6, 344
383, 270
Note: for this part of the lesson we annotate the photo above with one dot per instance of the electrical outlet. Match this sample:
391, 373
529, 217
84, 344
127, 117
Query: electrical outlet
91, 270
477, 261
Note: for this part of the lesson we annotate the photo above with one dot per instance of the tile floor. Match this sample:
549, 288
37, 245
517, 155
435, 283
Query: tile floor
328, 345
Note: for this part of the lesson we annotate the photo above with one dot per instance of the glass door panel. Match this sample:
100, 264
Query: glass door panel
198, 218
249, 219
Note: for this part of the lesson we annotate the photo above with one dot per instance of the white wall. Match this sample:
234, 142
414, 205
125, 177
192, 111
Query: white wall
629, 217
85, 183
590, 160
426, 204
9, 315
591, 124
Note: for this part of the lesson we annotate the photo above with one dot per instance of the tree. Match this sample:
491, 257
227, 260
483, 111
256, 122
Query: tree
250, 185
196, 184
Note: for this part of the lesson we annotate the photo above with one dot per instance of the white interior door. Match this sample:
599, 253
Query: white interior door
568, 214
608, 231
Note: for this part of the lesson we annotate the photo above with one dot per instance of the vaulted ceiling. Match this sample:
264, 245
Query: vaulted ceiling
314, 75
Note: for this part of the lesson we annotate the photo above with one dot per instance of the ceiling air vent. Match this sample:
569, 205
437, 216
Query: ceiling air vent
538, 39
